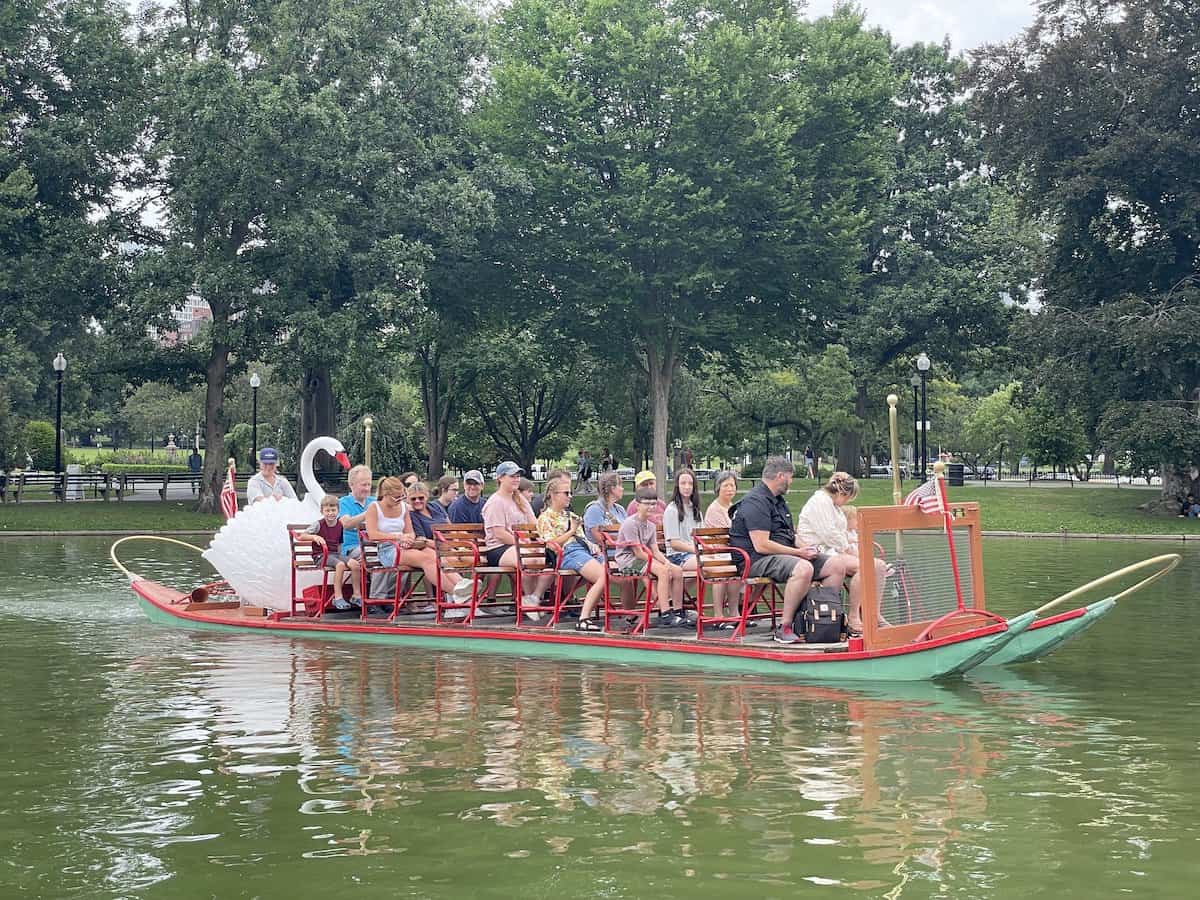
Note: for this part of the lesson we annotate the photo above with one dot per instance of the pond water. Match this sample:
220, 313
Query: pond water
145, 761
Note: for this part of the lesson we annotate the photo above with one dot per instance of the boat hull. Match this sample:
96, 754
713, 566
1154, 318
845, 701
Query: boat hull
1040, 638
944, 658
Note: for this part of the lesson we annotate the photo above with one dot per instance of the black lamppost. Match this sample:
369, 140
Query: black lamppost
255, 382
915, 381
923, 365
60, 366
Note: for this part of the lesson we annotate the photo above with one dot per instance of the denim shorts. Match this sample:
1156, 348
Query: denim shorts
576, 557
679, 557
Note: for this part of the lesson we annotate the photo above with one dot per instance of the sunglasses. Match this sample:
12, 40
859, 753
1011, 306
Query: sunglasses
417, 498
568, 493
399, 498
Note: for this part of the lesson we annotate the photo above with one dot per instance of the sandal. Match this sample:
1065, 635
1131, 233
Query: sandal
589, 625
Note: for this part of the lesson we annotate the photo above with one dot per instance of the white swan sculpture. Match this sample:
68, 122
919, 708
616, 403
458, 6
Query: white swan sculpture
251, 551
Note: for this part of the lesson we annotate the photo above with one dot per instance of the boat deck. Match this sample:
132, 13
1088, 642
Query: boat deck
758, 636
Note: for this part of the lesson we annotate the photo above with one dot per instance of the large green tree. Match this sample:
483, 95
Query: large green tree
304, 159
69, 87
944, 252
1091, 115
670, 212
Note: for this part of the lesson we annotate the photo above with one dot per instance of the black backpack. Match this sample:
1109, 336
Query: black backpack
820, 619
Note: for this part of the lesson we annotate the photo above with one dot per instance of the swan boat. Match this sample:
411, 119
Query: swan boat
924, 613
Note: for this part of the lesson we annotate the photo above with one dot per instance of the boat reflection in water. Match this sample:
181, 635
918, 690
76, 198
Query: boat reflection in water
743, 778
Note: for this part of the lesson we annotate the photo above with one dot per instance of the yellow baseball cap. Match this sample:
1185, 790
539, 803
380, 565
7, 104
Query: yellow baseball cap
643, 476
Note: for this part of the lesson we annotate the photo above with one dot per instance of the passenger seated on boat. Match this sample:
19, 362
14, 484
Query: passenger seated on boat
353, 513
420, 511
1189, 507
823, 523
389, 519
681, 517
267, 482
646, 478
640, 530
526, 488
468, 508
762, 526
560, 525
444, 493
327, 531
502, 512
540, 501
607, 508
851, 514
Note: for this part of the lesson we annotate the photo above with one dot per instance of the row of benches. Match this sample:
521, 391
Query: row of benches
98, 484
103, 486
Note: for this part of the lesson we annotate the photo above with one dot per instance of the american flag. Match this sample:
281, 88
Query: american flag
229, 494
926, 497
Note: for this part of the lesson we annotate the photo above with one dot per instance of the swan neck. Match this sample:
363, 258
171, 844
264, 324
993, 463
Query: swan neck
312, 488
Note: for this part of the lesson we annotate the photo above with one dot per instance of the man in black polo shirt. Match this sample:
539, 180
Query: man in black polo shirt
762, 526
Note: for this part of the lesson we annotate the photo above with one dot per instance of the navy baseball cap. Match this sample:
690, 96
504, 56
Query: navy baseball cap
268, 455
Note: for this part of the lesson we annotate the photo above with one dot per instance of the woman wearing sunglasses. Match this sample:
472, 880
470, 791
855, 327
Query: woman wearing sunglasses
390, 519
559, 525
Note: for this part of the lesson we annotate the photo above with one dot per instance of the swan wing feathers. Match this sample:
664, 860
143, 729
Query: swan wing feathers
252, 552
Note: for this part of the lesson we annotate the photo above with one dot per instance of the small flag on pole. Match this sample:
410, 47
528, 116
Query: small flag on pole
926, 497
229, 504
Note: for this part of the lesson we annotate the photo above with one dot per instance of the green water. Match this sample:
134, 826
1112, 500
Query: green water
146, 761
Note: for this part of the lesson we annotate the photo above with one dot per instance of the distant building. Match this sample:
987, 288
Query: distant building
190, 317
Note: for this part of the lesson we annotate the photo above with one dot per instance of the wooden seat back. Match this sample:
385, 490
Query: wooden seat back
305, 554
714, 556
457, 546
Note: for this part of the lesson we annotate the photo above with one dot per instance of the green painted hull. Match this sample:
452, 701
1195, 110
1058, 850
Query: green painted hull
1036, 643
941, 661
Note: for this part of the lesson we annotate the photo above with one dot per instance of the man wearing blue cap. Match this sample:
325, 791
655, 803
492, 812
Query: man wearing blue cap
267, 482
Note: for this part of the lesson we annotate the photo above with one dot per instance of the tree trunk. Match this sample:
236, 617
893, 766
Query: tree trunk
849, 449
318, 416
660, 363
1110, 463
1177, 483
214, 429
437, 409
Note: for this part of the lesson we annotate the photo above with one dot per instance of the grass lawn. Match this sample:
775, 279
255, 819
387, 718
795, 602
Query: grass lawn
148, 516
1041, 509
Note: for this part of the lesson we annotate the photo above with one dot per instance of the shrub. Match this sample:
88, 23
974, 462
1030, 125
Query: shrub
37, 439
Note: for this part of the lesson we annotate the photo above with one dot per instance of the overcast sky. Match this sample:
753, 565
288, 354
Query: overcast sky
968, 22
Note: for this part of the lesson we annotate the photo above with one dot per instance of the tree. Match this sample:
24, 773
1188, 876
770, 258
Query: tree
1055, 436
530, 385
1156, 436
68, 103
995, 428
668, 206
154, 409
1090, 115
303, 155
945, 252
811, 401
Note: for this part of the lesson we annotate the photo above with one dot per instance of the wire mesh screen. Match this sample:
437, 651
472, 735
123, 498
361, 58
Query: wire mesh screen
919, 586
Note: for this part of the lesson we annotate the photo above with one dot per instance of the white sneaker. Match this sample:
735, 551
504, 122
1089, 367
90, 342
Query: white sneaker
462, 592
454, 614
531, 600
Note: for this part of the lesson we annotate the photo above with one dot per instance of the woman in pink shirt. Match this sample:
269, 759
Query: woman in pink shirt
502, 512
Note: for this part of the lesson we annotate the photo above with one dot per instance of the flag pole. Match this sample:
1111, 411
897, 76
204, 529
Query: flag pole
892, 400
939, 475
